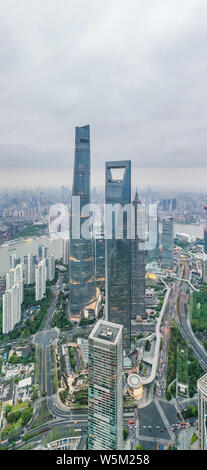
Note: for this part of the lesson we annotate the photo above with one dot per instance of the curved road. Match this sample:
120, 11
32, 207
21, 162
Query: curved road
188, 331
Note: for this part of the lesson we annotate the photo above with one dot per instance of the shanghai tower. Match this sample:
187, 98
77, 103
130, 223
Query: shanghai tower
82, 284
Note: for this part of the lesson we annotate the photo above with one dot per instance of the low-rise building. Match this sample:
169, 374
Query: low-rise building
7, 394
66, 443
83, 347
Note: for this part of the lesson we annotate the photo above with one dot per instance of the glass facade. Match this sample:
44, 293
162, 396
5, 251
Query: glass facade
138, 303
105, 393
154, 254
167, 243
99, 243
118, 251
81, 260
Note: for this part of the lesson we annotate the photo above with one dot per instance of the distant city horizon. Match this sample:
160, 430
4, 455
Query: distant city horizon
194, 188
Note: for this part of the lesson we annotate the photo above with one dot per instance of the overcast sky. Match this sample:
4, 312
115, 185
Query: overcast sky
135, 70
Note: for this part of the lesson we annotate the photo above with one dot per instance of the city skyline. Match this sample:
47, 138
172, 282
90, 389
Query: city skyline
103, 234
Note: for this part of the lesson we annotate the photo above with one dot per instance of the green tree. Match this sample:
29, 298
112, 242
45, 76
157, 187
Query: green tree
125, 434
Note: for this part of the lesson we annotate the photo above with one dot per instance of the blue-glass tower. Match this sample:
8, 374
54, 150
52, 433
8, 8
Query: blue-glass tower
167, 243
81, 260
118, 251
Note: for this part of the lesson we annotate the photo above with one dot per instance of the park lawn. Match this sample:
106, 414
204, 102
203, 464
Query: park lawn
182, 365
199, 313
20, 406
44, 415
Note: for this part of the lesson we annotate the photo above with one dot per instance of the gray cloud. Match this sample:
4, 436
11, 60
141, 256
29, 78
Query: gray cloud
136, 71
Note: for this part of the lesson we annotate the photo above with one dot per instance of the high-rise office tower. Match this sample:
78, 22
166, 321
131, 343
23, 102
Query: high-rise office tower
81, 261
138, 303
11, 308
30, 262
153, 254
174, 204
40, 280
99, 244
118, 250
167, 243
202, 412
65, 251
42, 252
50, 265
105, 391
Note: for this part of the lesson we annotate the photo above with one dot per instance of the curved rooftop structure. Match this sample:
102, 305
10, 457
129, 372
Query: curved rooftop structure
134, 381
135, 387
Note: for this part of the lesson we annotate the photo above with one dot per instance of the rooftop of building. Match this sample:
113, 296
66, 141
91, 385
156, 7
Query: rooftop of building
8, 392
106, 331
134, 381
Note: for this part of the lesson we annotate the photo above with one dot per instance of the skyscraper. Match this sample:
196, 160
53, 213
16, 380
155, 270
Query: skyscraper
40, 280
30, 261
167, 243
42, 252
202, 412
10, 279
81, 261
65, 251
11, 308
50, 265
12, 260
154, 235
15, 276
138, 303
118, 250
105, 391
174, 204
99, 244
18, 278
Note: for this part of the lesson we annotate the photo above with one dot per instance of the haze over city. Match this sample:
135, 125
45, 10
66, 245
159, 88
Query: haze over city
136, 73
103, 230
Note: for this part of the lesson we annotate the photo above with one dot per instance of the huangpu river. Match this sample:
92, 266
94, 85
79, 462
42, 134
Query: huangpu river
191, 229
55, 246
23, 247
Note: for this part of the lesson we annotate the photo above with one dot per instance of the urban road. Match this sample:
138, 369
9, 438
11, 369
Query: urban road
182, 323
165, 328
80, 417
75, 416
199, 352
185, 328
